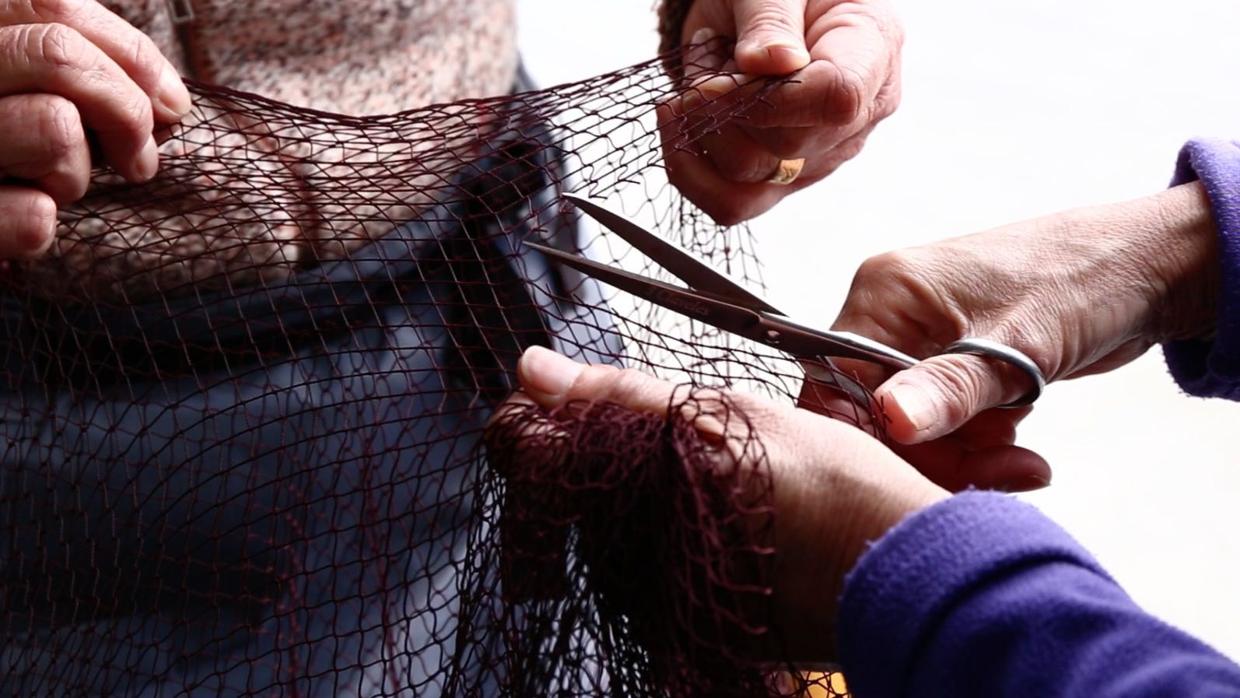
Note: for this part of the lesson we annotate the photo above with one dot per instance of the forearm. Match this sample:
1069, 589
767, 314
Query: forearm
983, 596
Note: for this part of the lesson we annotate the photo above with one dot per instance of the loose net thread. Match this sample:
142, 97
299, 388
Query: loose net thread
243, 405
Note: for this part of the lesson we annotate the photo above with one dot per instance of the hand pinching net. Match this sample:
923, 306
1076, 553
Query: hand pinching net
244, 407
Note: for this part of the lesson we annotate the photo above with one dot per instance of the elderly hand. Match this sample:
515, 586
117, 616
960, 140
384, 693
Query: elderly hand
68, 66
1079, 292
847, 59
835, 488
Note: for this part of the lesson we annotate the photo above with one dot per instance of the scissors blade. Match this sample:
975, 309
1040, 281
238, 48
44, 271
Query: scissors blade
764, 328
802, 341
717, 313
695, 274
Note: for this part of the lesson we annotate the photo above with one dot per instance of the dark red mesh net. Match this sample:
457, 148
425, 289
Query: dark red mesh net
244, 408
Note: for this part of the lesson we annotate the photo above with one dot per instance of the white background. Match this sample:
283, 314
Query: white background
1012, 110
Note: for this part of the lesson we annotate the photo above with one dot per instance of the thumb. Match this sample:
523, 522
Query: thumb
770, 36
938, 395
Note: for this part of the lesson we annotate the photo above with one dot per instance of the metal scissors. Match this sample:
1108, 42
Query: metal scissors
716, 300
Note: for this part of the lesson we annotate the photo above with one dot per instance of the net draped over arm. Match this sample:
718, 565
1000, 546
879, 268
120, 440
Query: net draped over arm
358, 57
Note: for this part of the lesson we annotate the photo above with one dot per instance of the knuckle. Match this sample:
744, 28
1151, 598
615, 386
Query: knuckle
728, 211
135, 108
884, 268
60, 126
960, 384
54, 10
1034, 332
772, 18
888, 101
57, 45
851, 148
846, 102
910, 285
144, 54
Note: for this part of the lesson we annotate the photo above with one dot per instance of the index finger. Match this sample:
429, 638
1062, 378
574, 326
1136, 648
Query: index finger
128, 47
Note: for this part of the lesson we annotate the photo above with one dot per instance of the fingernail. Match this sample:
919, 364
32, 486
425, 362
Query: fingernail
702, 35
172, 94
915, 404
1030, 482
697, 95
148, 160
748, 46
773, 56
547, 375
715, 87
794, 57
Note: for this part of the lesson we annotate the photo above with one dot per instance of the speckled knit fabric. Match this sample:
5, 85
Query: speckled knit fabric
361, 57
357, 58
347, 56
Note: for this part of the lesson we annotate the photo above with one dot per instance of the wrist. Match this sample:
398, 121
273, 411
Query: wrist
1185, 265
852, 507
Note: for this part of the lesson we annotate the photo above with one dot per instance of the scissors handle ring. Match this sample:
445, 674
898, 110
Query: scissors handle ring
978, 346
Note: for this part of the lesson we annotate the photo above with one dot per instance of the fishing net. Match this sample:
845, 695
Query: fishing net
244, 411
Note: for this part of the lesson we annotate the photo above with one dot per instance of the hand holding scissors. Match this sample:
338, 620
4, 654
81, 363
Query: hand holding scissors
716, 300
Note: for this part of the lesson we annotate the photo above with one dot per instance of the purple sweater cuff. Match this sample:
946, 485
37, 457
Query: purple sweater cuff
915, 575
1211, 368
981, 596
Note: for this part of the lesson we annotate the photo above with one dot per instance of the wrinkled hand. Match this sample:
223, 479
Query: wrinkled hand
847, 59
835, 488
68, 67
1079, 292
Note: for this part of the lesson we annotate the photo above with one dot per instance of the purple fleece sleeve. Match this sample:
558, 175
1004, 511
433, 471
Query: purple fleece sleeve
983, 596
1211, 368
